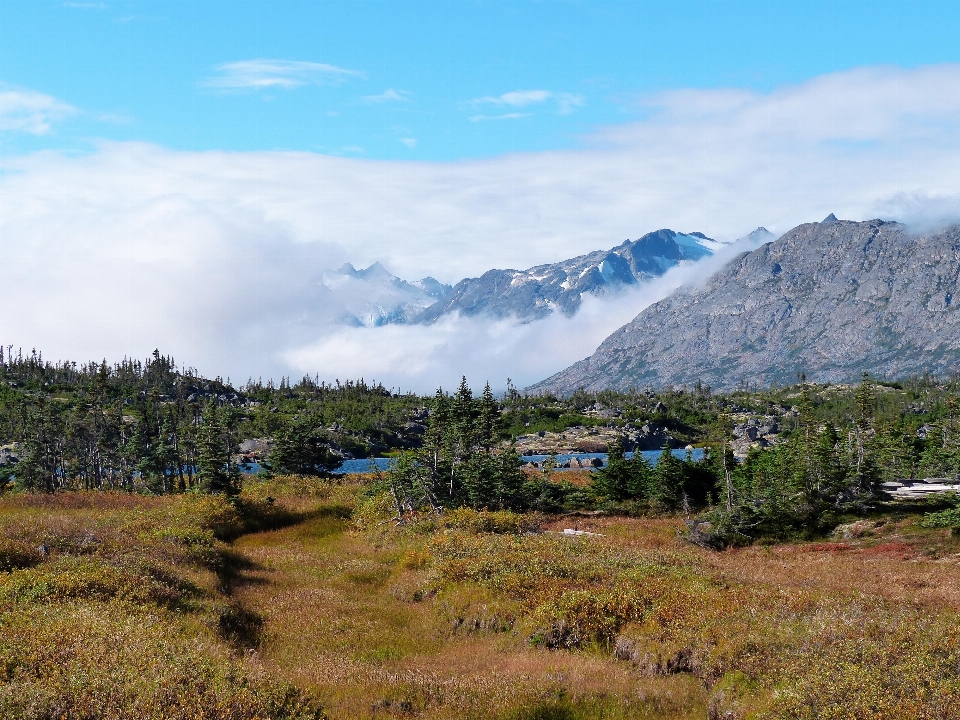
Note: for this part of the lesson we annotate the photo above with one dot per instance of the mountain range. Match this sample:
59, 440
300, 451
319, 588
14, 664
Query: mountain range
373, 296
830, 299
539, 291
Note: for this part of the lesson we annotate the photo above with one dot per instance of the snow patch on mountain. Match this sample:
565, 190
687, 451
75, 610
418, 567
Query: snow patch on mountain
539, 291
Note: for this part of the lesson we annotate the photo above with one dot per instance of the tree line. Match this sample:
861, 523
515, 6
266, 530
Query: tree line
820, 472
150, 426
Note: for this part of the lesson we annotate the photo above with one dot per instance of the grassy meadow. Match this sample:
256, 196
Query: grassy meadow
304, 599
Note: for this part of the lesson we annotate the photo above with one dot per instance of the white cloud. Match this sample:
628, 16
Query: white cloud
30, 111
505, 116
566, 102
214, 256
287, 74
389, 95
86, 5
409, 142
517, 98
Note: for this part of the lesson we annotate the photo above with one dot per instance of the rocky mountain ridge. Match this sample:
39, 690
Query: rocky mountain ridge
539, 291
830, 299
373, 296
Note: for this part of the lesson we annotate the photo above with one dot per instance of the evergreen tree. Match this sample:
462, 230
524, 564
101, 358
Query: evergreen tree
622, 478
489, 419
301, 448
461, 462
512, 491
830, 474
217, 473
667, 489
866, 475
41, 466
478, 477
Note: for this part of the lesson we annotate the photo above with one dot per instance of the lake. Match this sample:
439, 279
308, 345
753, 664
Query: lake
362, 465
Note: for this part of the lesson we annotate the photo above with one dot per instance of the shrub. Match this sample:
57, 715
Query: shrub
487, 521
943, 519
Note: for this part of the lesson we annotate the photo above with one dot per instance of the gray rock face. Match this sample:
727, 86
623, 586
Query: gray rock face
830, 299
537, 292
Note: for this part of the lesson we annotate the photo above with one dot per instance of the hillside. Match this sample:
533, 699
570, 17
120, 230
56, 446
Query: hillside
830, 299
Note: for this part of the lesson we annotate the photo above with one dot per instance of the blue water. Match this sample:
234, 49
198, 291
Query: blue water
651, 456
363, 465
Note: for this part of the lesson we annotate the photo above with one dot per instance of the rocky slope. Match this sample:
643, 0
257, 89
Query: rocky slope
831, 299
537, 292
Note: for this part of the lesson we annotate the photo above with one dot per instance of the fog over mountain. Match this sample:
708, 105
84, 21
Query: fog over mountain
830, 299
374, 296
536, 293
484, 347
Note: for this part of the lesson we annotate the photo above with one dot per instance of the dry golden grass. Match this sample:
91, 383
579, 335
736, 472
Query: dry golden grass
189, 607
114, 606
361, 618
442, 620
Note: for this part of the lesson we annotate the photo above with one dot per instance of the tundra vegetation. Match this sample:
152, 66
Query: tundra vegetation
782, 585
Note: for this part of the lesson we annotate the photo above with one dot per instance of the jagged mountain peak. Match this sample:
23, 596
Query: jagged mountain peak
831, 218
539, 291
376, 272
433, 287
758, 237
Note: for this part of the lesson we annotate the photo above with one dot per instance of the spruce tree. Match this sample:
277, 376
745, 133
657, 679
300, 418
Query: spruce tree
829, 471
217, 472
622, 478
301, 448
668, 481
512, 490
489, 419
866, 474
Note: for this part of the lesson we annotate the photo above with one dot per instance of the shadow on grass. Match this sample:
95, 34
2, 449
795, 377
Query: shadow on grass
241, 626
325, 521
235, 570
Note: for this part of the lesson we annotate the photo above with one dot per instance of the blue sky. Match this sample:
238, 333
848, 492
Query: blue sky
421, 80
